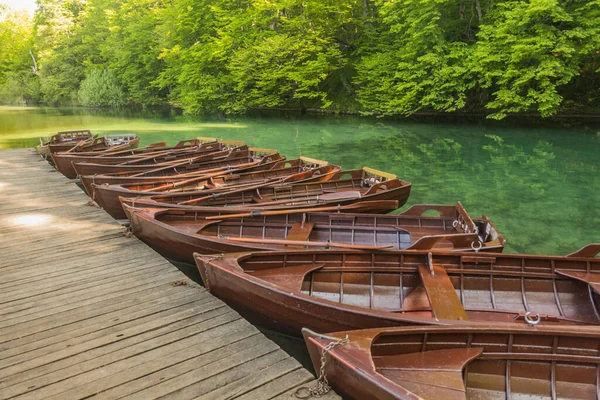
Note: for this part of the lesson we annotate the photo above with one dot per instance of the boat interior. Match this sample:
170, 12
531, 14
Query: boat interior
342, 186
488, 365
228, 180
481, 286
400, 231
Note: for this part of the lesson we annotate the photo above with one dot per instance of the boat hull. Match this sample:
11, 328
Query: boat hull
276, 310
320, 289
180, 238
456, 362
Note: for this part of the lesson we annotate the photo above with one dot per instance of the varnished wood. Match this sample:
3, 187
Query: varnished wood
483, 361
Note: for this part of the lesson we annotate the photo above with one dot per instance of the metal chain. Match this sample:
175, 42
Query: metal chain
322, 387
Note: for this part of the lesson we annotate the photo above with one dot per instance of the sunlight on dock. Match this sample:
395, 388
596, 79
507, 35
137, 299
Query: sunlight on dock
88, 311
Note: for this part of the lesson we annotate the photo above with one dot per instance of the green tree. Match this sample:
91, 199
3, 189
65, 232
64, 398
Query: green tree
17, 75
100, 88
420, 61
529, 49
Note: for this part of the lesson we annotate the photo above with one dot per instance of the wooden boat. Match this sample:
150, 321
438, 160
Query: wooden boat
177, 234
344, 187
309, 170
208, 163
152, 162
62, 141
185, 148
483, 361
330, 291
258, 160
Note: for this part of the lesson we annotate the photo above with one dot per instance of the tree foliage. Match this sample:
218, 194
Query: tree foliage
374, 56
101, 89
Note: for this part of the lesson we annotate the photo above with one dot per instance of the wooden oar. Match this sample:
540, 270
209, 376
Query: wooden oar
111, 152
82, 143
307, 243
176, 163
162, 153
350, 195
208, 175
228, 192
381, 204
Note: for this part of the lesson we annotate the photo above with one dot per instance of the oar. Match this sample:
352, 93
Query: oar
307, 243
219, 172
351, 195
177, 163
371, 205
163, 153
82, 143
228, 192
111, 152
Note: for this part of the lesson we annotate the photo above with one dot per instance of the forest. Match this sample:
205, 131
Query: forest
373, 57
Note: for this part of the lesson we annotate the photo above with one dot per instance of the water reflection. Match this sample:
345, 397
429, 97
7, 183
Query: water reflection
539, 186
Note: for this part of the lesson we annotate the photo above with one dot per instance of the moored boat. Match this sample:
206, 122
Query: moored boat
177, 234
257, 160
483, 361
344, 187
308, 170
187, 148
62, 141
152, 162
329, 291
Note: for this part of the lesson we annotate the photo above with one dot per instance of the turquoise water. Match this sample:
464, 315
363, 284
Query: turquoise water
539, 186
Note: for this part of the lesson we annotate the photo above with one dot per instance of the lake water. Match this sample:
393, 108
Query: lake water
539, 186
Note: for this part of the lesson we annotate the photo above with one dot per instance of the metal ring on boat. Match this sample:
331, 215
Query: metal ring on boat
476, 248
455, 223
531, 321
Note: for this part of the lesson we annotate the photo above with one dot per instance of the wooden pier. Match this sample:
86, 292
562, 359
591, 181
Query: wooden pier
86, 311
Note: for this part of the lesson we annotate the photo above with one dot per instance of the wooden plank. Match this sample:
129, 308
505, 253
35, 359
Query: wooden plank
42, 375
441, 294
300, 231
296, 378
98, 314
203, 379
251, 378
187, 308
163, 368
154, 305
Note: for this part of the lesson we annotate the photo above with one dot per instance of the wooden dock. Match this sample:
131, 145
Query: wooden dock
86, 311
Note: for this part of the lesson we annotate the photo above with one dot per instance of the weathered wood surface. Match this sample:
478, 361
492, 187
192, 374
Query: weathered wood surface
87, 312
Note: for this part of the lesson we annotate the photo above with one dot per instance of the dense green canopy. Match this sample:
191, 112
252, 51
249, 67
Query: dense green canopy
382, 57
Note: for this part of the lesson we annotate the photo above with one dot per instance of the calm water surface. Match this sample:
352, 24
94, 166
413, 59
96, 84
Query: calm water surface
540, 186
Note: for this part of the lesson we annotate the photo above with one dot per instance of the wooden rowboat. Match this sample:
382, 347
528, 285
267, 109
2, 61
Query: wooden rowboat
152, 162
258, 160
62, 141
177, 234
486, 361
344, 187
107, 196
186, 148
330, 291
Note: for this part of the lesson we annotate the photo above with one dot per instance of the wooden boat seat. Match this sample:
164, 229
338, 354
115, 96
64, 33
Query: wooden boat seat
436, 374
290, 278
441, 294
300, 231
346, 195
592, 279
